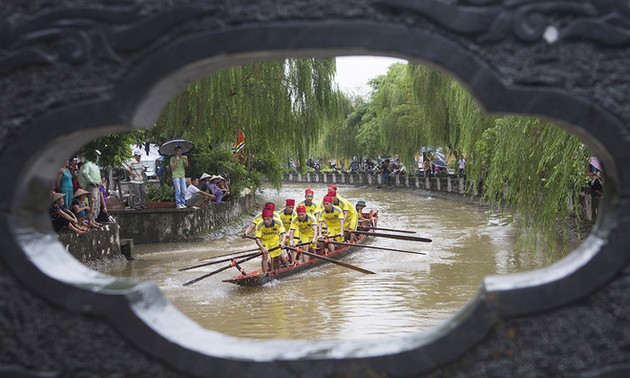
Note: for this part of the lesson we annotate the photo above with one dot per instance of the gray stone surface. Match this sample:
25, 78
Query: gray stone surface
74, 70
96, 244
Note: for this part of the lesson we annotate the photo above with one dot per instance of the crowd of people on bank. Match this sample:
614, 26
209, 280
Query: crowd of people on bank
199, 192
387, 168
316, 226
78, 198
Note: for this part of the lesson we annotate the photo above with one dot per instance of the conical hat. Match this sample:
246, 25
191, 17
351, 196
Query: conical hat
204, 176
80, 192
55, 196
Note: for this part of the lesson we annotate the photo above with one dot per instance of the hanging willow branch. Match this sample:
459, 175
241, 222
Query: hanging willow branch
282, 107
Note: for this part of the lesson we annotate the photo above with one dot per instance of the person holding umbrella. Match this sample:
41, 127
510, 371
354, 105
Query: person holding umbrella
179, 163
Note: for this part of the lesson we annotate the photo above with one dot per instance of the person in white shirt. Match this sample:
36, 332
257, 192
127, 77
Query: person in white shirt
196, 197
461, 165
136, 177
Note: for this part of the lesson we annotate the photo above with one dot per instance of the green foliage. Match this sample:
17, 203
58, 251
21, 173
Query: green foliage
268, 166
114, 149
164, 193
282, 107
220, 161
527, 166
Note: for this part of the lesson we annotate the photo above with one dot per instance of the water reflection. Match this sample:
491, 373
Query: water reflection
409, 292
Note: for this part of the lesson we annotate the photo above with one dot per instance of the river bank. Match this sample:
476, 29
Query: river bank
454, 188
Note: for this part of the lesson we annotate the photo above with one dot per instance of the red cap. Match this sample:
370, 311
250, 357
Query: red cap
328, 199
270, 205
301, 209
309, 191
332, 193
267, 213
290, 202
331, 186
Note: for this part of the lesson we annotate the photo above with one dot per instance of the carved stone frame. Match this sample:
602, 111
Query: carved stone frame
138, 312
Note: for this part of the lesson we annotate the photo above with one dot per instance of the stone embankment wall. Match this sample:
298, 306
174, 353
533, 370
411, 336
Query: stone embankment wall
96, 244
446, 184
177, 225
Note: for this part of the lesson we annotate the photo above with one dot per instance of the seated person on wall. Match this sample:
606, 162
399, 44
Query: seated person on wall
62, 217
81, 208
224, 186
195, 197
216, 189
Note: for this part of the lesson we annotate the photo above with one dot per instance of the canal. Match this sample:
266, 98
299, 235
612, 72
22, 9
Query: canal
409, 293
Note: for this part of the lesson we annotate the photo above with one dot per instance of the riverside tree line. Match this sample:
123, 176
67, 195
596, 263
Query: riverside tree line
292, 109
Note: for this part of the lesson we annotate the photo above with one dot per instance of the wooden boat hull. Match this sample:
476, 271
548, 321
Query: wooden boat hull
257, 278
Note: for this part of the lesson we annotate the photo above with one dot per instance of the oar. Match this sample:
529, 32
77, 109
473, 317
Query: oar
391, 229
383, 248
334, 261
231, 254
220, 270
218, 261
229, 266
391, 236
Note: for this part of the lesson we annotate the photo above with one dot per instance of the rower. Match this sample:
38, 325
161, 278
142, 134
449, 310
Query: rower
332, 217
257, 219
364, 219
306, 225
287, 214
311, 207
333, 187
349, 213
270, 233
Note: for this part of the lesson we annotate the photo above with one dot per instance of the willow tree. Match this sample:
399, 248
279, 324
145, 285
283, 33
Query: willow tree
281, 106
527, 166
398, 116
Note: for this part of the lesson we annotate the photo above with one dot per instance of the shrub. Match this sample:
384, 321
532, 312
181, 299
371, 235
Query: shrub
164, 193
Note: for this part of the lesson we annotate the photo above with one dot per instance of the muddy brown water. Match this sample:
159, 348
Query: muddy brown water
409, 293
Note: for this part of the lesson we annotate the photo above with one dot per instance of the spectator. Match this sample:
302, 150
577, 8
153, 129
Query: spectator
103, 216
596, 185
178, 164
196, 197
90, 179
426, 166
61, 217
216, 189
224, 186
461, 164
64, 183
136, 177
81, 208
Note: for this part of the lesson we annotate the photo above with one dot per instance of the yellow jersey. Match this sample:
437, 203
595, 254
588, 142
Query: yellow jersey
270, 236
332, 218
351, 219
310, 209
287, 218
305, 228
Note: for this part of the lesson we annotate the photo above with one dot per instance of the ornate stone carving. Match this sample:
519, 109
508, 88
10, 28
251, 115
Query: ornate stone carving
80, 35
606, 22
